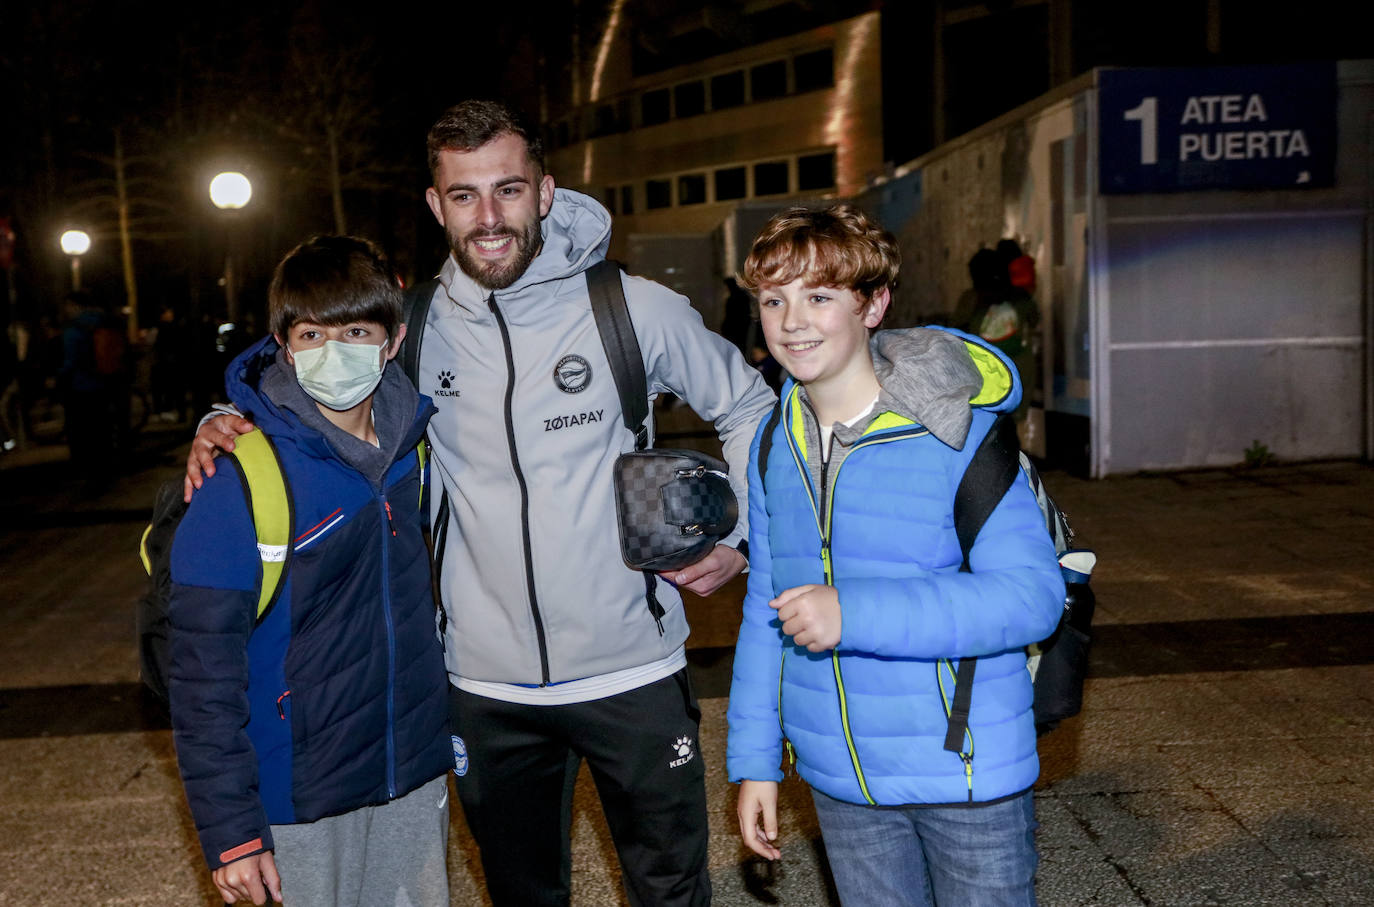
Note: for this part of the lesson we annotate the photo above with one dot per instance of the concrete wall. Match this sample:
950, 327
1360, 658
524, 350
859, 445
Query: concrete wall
1024, 176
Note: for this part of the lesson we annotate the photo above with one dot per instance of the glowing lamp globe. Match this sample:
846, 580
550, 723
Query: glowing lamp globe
75, 242
230, 190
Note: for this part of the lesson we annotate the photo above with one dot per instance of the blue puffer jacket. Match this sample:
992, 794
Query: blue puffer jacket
338, 698
867, 720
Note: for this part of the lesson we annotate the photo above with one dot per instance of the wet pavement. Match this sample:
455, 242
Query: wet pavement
1223, 755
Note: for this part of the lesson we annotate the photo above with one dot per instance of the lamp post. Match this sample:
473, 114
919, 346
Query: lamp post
75, 243
230, 191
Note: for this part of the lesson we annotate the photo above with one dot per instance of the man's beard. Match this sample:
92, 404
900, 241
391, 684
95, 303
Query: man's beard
497, 275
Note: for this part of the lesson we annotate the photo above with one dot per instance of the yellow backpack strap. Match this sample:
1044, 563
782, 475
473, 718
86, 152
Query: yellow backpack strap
422, 455
269, 500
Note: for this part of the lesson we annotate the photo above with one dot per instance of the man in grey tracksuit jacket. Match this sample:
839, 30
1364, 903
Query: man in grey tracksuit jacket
551, 645
552, 650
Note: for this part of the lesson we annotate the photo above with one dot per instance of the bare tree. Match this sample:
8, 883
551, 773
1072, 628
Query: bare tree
329, 118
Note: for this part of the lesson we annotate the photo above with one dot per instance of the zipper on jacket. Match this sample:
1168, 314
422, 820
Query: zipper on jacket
828, 484
524, 493
281, 709
390, 651
943, 666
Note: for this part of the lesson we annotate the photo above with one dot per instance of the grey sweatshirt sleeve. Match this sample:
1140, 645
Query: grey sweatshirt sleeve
682, 356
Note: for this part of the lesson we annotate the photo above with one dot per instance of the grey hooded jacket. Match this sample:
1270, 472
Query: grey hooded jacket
527, 431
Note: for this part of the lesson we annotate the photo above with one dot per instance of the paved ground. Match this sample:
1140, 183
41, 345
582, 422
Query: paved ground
1223, 756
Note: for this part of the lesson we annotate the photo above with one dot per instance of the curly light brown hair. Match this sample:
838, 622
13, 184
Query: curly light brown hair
839, 246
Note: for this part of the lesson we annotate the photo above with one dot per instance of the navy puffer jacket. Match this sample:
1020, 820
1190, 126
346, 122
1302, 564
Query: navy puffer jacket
338, 698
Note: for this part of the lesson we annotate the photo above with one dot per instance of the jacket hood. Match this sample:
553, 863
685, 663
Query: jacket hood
263, 385
576, 234
934, 377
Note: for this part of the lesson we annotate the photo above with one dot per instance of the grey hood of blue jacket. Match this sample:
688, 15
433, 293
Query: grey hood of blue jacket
927, 376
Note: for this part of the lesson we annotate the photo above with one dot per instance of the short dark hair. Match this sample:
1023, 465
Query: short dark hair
471, 124
334, 280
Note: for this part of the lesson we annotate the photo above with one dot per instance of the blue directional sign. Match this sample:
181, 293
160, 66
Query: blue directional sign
1224, 127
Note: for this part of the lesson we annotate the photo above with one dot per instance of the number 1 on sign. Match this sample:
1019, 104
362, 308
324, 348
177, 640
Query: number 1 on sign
1147, 112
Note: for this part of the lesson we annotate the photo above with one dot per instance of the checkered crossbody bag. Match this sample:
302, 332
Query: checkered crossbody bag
673, 505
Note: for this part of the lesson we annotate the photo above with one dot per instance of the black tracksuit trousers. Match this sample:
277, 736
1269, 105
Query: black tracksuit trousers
515, 777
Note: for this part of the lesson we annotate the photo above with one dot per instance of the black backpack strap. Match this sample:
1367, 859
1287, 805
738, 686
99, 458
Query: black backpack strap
987, 478
622, 347
415, 309
766, 442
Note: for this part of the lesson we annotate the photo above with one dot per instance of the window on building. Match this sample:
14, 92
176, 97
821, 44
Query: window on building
727, 90
816, 171
689, 99
653, 107
768, 80
691, 189
608, 198
627, 199
605, 121
658, 194
814, 70
770, 178
730, 184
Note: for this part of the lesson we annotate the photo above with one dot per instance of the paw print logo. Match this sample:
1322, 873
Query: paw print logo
446, 379
682, 748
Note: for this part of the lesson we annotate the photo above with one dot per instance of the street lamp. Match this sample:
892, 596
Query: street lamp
230, 191
76, 243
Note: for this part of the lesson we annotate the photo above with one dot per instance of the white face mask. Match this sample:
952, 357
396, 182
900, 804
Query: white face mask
339, 375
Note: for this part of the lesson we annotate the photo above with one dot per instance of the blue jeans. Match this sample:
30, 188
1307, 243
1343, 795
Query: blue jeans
931, 855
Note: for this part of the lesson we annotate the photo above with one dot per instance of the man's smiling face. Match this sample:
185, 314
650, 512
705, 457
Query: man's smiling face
490, 201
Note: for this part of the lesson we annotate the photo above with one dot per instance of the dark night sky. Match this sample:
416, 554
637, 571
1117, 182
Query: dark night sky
200, 87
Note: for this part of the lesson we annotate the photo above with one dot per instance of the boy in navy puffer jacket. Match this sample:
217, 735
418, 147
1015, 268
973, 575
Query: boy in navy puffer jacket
857, 613
313, 741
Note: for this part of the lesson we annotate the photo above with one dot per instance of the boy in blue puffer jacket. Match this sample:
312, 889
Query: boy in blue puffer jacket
857, 613
312, 741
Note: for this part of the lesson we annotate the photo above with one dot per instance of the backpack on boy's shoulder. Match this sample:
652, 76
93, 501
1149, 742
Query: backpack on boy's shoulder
1057, 664
255, 460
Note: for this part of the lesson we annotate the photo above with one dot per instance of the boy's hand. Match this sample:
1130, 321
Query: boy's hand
759, 799
217, 434
252, 877
707, 575
810, 615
